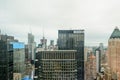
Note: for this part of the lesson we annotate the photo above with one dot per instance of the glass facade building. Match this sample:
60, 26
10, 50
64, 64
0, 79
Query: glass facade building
18, 57
31, 48
73, 40
6, 61
56, 65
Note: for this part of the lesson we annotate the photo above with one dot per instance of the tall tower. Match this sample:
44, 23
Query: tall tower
31, 47
114, 53
73, 40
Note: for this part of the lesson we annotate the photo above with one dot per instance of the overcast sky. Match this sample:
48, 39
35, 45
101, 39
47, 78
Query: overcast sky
97, 17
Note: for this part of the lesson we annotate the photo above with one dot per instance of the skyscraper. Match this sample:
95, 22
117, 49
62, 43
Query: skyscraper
98, 60
6, 61
73, 40
31, 47
114, 54
18, 57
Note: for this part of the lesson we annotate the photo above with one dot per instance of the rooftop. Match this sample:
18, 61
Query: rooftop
115, 34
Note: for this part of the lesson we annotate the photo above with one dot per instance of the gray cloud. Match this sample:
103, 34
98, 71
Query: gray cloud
97, 17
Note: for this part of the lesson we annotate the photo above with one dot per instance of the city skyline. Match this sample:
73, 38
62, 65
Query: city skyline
97, 18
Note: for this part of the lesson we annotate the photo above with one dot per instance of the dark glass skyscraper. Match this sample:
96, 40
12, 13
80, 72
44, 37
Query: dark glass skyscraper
73, 40
6, 61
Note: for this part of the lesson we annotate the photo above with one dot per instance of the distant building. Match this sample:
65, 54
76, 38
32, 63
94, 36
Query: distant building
114, 54
73, 40
26, 53
101, 48
44, 43
7, 38
31, 48
19, 57
98, 60
87, 51
90, 67
100, 57
51, 42
6, 61
56, 65
51, 46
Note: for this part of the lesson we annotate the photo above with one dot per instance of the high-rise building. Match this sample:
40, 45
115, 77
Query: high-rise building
12, 57
73, 40
26, 53
87, 51
44, 43
90, 67
98, 60
114, 54
56, 65
6, 61
8, 38
19, 57
30, 38
31, 47
100, 53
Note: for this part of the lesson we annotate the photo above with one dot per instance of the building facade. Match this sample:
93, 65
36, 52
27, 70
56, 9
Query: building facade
19, 57
114, 54
73, 40
90, 67
6, 61
26, 53
56, 65
98, 60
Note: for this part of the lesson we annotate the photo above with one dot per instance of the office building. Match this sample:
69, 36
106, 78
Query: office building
114, 54
7, 38
6, 61
90, 67
87, 51
19, 57
26, 53
31, 48
51, 46
100, 57
44, 43
98, 61
56, 65
73, 40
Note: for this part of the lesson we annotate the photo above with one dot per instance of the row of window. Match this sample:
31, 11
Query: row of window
58, 55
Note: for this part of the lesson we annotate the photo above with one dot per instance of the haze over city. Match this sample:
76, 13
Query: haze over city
97, 17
